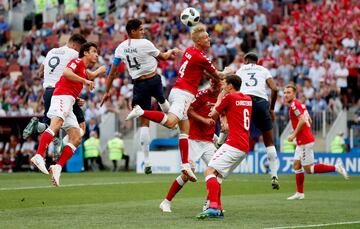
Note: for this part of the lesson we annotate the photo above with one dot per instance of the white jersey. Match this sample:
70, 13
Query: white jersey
55, 63
139, 56
254, 78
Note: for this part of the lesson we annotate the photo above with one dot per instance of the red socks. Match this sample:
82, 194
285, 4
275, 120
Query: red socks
66, 154
299, 176
213, 188
175, 188
184, 148
155, 116
322, 168
46, 138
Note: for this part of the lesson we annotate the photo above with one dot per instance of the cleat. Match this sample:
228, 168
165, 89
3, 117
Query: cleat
206, 205
31, 127
39, 162
341, 170
136, 112
55, 171
187, 171
210, 213
165, 206
275, 183
297, 196
147, 170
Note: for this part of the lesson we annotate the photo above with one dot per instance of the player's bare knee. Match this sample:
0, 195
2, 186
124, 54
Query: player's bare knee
307, 169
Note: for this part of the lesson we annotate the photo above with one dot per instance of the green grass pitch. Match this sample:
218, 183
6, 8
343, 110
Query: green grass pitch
129, 200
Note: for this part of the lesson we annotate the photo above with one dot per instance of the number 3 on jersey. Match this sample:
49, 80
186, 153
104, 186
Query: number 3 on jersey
252, 78
182, 69
246, 119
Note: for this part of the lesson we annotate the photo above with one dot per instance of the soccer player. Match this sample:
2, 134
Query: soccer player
304, 154
140, 56
67, 89
193, 64
52, 69
237, 108
255, 78
201, 135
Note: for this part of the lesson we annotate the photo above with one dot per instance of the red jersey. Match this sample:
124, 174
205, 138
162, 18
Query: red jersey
202, 105
193, 64
305, 135
237, 108
70, 87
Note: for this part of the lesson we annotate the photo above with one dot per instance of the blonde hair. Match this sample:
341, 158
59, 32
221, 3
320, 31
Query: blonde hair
196, 31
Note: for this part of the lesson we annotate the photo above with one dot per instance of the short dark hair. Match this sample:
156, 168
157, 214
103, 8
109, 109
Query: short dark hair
234, 80
292, 86
251, 57
77, 38
133, 24
86, 48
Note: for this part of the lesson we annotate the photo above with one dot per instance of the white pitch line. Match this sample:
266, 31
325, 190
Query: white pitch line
77, 185
314, 225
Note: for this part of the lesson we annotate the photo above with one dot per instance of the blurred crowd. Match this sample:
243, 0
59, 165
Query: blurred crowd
314, 44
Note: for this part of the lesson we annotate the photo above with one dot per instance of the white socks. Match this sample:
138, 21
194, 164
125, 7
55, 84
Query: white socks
165, 106
145, 142
273, 160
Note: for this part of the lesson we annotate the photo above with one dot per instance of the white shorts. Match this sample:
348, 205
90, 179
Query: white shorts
226, 159
62, 106
200, 149
305, 154
180, 101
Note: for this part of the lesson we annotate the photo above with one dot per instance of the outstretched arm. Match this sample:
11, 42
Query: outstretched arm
169, 54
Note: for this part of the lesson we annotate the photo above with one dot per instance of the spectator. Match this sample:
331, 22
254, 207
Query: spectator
316, 73
92, 152
115, 147
341, 75
308, 90
338, 143
4, 28
11, 150
24, 56
27, 151
127, 91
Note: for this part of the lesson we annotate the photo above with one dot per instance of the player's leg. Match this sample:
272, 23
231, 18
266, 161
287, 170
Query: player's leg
196, 150
180, 101
145, 143
311, 168
142, 98
66, 153
46, 137
223, 162
34, 125
156, 90
184, 126
299, 174
175, 187
262, 120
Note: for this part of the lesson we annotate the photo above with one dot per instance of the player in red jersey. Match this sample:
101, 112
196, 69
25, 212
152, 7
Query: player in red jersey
304, 154
67, 89
201, 134
193, 65
237, 108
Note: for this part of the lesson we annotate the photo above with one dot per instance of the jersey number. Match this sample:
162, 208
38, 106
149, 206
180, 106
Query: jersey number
182, 68
136, 65
252, 78
53, 63
246, 119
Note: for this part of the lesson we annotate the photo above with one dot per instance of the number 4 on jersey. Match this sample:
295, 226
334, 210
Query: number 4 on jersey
136, 65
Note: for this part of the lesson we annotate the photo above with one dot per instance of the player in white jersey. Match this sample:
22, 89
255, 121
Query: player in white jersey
255, 78
141, 59
52, 69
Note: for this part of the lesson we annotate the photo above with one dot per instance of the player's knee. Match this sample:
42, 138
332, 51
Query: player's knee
75, 140
170, 123
307, 169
